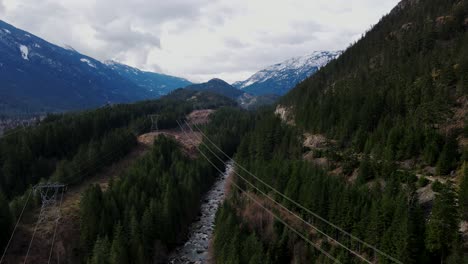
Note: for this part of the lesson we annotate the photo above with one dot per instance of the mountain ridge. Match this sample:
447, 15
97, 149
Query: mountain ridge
281, 77
218, 86
152, 81
40, 77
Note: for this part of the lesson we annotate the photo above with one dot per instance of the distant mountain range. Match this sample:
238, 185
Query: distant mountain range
37, 76
266, 86
40, 77
278, 79
217, 86
245, 100
156, 83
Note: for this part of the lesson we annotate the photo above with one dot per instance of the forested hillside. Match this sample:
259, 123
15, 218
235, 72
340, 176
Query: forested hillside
68, 148
391, 168
366, 161
146, 211
398, 93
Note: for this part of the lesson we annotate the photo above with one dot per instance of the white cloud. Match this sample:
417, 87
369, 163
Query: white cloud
197, 39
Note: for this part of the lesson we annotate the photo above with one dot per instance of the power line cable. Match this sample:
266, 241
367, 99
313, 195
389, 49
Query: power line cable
95, 164
292, 213
296, 203
56, 225
39, 218
16, 225
267, 210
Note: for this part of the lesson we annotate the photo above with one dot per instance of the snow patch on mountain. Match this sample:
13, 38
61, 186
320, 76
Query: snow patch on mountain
281, 77
90, 64
317, 60
45, 77
24, 52
70, 48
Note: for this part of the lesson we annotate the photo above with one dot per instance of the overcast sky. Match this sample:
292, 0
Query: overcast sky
197, 39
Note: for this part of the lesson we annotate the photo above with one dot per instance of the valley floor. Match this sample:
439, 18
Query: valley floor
67, 243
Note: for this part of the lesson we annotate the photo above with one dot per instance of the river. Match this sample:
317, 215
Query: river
195, 249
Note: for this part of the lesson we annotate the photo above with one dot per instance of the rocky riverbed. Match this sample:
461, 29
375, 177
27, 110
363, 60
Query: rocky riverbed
195, 249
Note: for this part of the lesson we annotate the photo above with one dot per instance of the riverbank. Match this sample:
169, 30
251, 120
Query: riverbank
195, 249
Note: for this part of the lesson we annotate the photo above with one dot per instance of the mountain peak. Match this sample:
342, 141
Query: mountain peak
217, 86
40, 76
217, 80
281, 77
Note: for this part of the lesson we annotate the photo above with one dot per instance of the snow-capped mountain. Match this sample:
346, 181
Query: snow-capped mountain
38, 76
278, 79
157, 83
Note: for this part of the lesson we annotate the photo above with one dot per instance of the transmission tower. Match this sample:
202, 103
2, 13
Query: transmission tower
154, 122
49, 200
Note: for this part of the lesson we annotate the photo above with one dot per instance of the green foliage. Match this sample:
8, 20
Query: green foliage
155, 199
365, 171
448, 157
463, 193
100, 252
233, 245
387, 96
388, 216
383, 218
118, 250
91, 157
35, 153
159, 190
442, 226
6, 221
423, 182
70, 147
388, 93
437, 186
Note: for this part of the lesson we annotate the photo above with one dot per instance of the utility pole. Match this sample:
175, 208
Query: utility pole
154, 122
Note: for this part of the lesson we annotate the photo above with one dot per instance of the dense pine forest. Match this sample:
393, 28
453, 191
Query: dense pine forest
145, 212
370, 153
395, 92
386, 213
68, 148
392, 109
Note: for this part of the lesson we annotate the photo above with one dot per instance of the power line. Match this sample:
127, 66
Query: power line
296, 203
34, 233
40, 218
56, 225
267, 210
93, 165
49, 203
292, 213
154, 122
15, 131
16, 225
284, 223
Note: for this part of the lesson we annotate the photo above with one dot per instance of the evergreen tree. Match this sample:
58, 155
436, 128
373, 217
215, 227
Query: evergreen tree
442, 225
463, 193
100, 252
6, 220
448, 156
118, 250
365, 171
